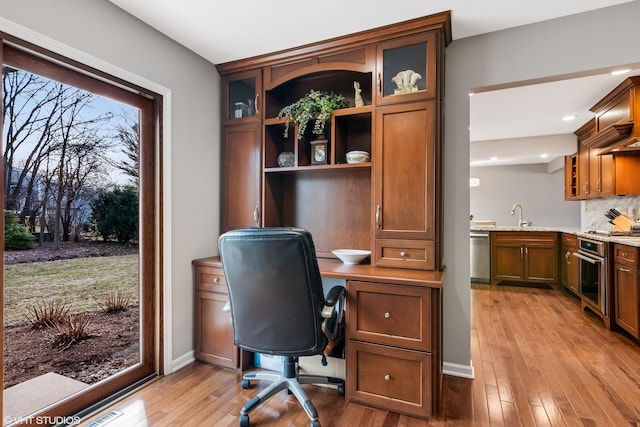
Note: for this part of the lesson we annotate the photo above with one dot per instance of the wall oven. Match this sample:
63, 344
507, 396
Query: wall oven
594, 283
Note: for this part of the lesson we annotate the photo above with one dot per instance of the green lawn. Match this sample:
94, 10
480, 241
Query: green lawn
80, 283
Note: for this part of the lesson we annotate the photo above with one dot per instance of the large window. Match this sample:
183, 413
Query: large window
81, 202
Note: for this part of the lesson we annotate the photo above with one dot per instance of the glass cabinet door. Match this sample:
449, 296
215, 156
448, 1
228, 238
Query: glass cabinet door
242, 96
406, 69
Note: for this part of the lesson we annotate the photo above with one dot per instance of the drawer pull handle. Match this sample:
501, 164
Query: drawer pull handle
387, 377
403, 254
387, 315
216, 279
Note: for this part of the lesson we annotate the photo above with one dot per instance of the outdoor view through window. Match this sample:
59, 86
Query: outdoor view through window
71, 258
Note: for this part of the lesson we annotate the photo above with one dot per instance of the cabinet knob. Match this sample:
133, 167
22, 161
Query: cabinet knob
216, 279
387, 315
387, 377
403, 254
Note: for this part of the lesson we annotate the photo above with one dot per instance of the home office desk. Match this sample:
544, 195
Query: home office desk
393, 332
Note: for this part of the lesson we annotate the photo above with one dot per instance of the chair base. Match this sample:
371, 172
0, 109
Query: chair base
281, 382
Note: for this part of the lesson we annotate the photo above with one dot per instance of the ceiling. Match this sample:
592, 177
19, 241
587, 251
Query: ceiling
516, 119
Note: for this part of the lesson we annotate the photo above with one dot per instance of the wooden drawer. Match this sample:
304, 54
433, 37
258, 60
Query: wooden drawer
525, 237
210, 279
390, 314
419, 254
391, 378
570, 240
627, 255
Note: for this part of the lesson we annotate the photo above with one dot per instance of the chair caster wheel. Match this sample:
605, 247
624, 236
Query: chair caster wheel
315, 423
246, 384
244, 420
341, 389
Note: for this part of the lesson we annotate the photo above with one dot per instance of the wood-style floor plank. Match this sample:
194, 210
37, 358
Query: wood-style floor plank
539, 360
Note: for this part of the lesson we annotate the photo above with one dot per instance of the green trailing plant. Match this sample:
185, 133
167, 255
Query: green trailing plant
316, 106
46, 314
115, 302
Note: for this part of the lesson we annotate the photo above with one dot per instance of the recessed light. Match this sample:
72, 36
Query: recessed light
494, 158
544, 155
619, 72
569, 117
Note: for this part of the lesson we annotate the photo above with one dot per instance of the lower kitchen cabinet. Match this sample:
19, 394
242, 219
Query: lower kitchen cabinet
569, 265
213, 331
626, 288
394, 347
527, 256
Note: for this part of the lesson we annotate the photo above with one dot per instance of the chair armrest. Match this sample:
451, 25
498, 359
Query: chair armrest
334, 295
333, 310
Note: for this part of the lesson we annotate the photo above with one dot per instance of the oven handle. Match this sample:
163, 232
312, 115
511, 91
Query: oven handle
588, 259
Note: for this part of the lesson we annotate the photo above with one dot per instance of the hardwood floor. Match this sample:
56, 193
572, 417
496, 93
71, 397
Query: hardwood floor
539, 361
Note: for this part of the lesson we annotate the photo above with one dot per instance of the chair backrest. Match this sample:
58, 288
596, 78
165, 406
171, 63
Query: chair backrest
275, 290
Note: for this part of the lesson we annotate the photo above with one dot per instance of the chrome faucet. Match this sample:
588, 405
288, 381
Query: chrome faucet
521, 222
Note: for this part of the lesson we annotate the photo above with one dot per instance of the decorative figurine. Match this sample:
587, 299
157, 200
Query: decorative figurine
406, 81
358, 98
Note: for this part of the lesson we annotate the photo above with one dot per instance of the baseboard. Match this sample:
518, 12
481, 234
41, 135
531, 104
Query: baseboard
456, 370
182, 361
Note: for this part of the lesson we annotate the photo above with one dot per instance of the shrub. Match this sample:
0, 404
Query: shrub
71, 330
47, 314
116, 214
115, 302
16, 236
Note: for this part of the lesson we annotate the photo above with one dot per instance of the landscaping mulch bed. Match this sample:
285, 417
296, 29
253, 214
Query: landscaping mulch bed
29, 353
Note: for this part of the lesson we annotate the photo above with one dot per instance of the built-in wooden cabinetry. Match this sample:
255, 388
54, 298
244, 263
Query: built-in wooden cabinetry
391, 338
608, 155
391, 205
569, 264
529, 256
626, 288
213, 333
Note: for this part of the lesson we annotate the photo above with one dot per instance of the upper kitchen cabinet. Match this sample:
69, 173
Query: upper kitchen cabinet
406, 69
241, 97
617, 119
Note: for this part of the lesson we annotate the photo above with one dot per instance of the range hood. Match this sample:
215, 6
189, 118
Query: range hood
617, 119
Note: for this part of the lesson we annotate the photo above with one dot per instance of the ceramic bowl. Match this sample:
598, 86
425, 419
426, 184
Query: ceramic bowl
357, 157
351, 256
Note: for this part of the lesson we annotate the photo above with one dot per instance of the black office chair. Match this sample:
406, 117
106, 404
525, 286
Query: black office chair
278, 307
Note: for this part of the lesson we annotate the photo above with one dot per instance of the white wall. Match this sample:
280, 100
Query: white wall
540, 194
102, 31
577, 43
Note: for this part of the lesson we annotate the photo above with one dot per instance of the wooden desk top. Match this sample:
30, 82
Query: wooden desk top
364, 272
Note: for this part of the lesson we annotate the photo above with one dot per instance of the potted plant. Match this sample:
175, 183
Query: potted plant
315, 105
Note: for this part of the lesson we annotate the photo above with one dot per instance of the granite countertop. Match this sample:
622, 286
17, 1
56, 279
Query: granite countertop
626, 240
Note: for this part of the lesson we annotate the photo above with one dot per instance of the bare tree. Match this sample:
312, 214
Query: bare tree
128, 136
31, 106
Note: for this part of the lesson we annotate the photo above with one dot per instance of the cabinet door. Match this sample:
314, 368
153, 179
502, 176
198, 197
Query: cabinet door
241, 97
406, 69
507, 263
405, 171
626, 298
601, 174
541, 264
240, 177
213, 331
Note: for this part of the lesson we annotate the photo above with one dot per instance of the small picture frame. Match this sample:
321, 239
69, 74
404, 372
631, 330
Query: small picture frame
319, 152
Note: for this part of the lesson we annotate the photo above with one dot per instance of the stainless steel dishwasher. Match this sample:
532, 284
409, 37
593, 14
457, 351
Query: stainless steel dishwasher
480, 257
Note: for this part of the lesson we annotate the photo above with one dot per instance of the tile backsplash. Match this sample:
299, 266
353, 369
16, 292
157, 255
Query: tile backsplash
593, 211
